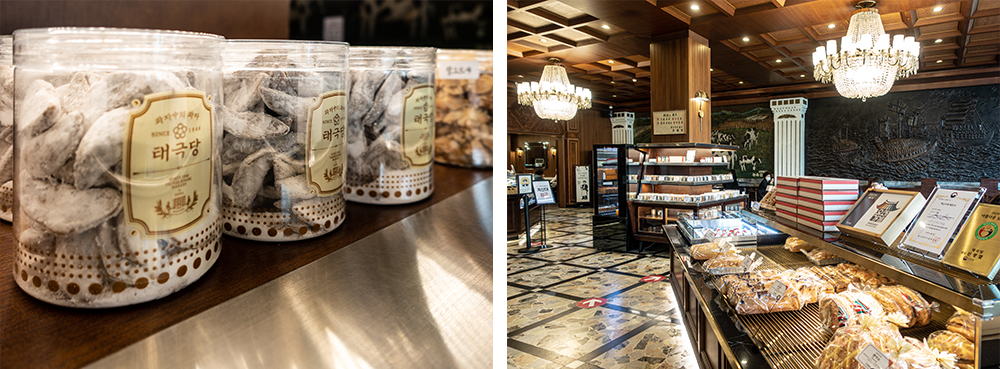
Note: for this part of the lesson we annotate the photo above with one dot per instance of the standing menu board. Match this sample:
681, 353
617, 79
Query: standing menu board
543, 193
939, 220
582, 183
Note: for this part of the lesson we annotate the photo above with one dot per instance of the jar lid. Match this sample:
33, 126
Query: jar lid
6, 49
285, 55
116, 48
392, 57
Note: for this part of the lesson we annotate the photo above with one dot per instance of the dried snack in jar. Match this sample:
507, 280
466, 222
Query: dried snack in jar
390, 132
6, 126
464, 108
963, 323
116, 159
952, 342
284, 146
795, 244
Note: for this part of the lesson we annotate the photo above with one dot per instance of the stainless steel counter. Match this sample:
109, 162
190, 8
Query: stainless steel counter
417, 294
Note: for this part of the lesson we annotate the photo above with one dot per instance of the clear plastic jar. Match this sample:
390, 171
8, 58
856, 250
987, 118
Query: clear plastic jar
464, 108
283, 154
390, 135
6, 126
118, 183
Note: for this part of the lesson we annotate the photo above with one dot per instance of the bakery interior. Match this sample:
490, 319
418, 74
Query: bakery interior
374, 292
633, 262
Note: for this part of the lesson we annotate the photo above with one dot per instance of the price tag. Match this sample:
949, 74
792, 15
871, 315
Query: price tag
777, 290
871, 358
709, 235
457, 69
745, 264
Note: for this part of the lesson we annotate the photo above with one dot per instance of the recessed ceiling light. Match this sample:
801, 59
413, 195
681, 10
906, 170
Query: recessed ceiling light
831, 26
938, 41
745, 39
612, 82
938, 61
614, 95
605, 26
611, 107
802, 75
694, 7
741, 82
778, 61
520, 76
937, 8
711, 69
634, 80
611, 61
543, 40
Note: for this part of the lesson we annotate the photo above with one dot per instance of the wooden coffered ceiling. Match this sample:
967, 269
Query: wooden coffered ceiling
758, 46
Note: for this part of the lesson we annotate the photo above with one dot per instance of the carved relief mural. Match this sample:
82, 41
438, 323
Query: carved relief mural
522, 119
947, 134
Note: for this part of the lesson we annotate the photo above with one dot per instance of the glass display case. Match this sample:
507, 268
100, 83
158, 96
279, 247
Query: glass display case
741, 231
611, 222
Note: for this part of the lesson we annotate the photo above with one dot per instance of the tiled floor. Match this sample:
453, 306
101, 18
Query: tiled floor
638, 327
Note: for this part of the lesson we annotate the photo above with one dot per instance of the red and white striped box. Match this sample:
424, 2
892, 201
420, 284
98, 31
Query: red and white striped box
839, 205
786, 198
791, 208
787, 181
831, 195
790, 191
823, 226
822, 216
828, 184
786, 215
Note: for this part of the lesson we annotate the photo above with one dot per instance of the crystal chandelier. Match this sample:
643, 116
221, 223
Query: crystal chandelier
553, 97
866, 65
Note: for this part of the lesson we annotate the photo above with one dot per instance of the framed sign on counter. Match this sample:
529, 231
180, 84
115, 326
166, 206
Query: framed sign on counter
582, 183
668, 122
543, 193
938, 221
977, 246
881, 215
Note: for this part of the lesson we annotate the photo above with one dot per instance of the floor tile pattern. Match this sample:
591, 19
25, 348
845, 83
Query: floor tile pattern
639, 327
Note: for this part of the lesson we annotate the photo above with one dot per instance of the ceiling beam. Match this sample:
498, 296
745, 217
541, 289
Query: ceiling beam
722, 6
592, 32
778, 3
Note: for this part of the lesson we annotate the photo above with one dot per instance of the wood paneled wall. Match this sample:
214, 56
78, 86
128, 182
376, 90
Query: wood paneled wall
231, 18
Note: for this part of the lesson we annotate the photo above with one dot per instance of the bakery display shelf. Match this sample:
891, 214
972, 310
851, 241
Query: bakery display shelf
688, 164
957, 287
690, 204
680, 183
687, 145
794, 339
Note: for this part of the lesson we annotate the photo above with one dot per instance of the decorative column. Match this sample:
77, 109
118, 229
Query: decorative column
621, 128
679, 66
789, 136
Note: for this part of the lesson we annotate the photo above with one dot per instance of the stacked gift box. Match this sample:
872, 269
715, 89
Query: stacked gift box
786, 199
822, 202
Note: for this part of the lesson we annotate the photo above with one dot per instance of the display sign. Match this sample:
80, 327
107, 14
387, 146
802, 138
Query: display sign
881, 215
871, 358
582, 183
523, 184
668, 122
543, 193
938, 221
977, 246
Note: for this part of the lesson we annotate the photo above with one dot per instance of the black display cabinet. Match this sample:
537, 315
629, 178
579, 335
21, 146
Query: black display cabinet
611, 227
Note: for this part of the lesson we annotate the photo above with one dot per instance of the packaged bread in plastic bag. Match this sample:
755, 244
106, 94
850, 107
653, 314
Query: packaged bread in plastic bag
952, 342
847, 343
795, 244
845, 308
964, 324
916, 355
708, 250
